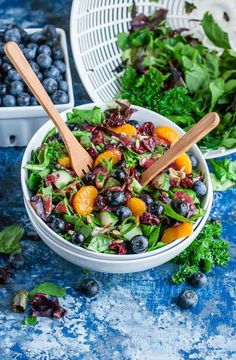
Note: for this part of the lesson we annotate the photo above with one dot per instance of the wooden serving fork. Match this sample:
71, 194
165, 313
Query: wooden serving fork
80, 159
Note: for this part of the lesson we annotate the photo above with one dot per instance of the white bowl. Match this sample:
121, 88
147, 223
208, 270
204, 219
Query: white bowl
94, 29
19, 123
141, 115
115, 266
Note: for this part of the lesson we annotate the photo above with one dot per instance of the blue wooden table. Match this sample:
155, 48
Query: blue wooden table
133, 317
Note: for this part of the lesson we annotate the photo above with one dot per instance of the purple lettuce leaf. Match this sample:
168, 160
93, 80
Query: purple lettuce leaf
42, 306
37, 204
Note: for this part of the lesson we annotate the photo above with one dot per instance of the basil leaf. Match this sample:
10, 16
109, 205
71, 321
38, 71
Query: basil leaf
168, 211
10, 239
99, 243
214, 32
49, 289
217, 88
30, 320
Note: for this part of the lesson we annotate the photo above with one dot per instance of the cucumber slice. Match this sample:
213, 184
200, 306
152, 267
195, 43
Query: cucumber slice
137, 187
162, 182
131, 233
62, 178
106, 218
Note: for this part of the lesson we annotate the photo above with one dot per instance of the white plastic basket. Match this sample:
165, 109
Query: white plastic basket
95, 24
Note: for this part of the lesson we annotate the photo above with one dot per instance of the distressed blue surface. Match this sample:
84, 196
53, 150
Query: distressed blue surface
134, 316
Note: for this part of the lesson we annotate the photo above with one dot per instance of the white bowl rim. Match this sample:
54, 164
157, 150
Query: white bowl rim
46, 127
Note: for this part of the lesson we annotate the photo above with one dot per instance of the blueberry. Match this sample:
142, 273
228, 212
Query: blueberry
33, 101
63, 85
3, 89
2, 51
77, 238
30, 51
60, 65
6, 67
13, 75
50, 32
40, 76
44, 49
16, 88
57, 53
52, 72
89, 287
89, 178
37, 37
134, 123
16, 260
155, 209
198, 279
139, 244
44, 61
5, 59
58, 225
200, 188
60, 97
24, 36
194, 160
8, 100
115, 197
34, 66
119, 175
23, 99
187, 299
12, 35
123, 212
181, 207
147, 198
50, 85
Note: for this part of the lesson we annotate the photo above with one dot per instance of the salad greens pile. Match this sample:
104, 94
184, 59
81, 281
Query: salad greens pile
107, 209
206, 251
224, 176
178, 77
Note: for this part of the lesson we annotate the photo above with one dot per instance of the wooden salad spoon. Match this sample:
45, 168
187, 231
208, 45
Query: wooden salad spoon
81, 161
196, 133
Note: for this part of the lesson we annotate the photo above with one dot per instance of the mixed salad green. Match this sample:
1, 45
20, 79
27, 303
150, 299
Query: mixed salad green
177, 76
108, 211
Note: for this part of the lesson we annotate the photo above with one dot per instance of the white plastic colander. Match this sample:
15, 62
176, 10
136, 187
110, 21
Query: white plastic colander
95, 24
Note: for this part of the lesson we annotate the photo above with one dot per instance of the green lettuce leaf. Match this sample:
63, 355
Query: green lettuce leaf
214, 32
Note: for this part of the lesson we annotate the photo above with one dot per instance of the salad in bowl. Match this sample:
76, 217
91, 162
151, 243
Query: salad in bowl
108, 211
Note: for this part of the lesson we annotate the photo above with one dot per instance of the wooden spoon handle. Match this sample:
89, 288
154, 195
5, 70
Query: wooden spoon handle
196, 133
19, 61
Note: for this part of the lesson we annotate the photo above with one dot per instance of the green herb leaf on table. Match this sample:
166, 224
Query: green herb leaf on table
10, 239
189, 7
214, 32
206, 251
49, 289
30, 320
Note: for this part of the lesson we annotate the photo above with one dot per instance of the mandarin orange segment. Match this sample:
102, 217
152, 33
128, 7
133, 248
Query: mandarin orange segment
113, 154
137, 206
126, 129
84, 199
174, 233
167, 133
64, 161
184, 162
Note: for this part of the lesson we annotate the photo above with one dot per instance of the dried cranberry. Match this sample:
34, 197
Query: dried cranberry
92, 152
101, 204
69, 226
182, 196
134, 173
121, 248
146, 129
165, 198
187, 182
114, 118
126, 141
97, 137
146, 163
149, 219
140, 150
150, 144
